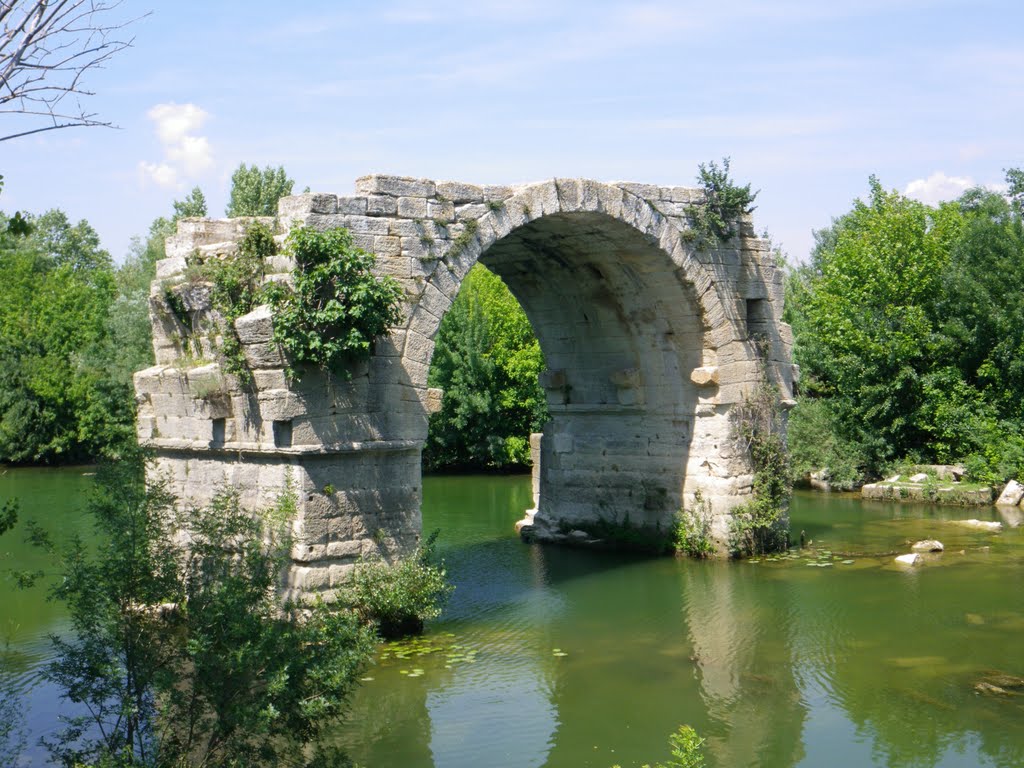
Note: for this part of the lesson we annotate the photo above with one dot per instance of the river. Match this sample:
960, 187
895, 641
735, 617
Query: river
830, 656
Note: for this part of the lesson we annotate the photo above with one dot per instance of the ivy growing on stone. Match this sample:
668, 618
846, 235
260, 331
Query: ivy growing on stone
336, 306
724, 202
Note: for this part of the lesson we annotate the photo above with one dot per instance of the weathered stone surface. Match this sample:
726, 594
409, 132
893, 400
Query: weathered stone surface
911, 559
396, 186
927, 545
705, 376
647, 340
1011, 495
256, 327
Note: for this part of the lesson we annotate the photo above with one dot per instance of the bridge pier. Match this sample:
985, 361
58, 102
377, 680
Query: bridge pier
650, 340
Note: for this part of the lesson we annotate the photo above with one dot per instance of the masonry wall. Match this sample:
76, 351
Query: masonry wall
649, 342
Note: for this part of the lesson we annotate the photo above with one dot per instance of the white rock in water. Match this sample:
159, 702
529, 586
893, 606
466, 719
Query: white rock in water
927, 545
920, 477
911, 559
1011, 495
986, 525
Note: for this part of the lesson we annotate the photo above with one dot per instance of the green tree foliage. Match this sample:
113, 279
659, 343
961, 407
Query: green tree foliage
187, 657
910, 330
255, 192
56, 401
876, 275
73, 330
487, 360
194, 205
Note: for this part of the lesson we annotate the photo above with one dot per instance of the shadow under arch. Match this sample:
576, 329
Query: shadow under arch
640, 345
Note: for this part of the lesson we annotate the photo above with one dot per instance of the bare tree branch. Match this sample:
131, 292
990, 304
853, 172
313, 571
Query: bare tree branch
47, 47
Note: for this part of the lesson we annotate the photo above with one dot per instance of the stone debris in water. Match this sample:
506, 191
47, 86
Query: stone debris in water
985, 525
1011, 495
911, 559
927, 545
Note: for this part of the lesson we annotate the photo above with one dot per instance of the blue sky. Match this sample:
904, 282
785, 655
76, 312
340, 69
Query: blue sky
807, 98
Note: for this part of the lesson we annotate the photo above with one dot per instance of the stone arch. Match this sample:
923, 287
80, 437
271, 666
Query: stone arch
651, 339
622, 427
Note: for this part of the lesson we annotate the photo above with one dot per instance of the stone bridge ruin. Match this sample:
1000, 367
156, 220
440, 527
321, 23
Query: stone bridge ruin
650, 340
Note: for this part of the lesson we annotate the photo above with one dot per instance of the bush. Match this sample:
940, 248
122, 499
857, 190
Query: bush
397, 599
692, 535
687, 750
338, 306
760, 525
187, 656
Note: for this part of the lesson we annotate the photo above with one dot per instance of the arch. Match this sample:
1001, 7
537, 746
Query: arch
650, 340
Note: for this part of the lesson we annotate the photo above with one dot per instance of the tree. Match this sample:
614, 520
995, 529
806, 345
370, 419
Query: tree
255, 192
56, 401
909, 326
186, 657
487, 361
47, 50
869, 309
192, 206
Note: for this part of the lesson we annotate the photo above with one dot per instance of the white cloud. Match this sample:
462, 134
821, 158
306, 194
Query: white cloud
186, 154
938, 187
160, 174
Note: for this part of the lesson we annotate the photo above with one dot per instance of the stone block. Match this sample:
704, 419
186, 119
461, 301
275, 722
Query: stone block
387, 246
264, 355
395, 186
256, 327
440, 210
419, 347
497, 192
459, 193
270, 379
280, 404
300, 205
381, 205
434, 400
356, 206
412, 207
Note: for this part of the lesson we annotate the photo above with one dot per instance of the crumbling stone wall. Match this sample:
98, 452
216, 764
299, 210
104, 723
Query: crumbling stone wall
650, 338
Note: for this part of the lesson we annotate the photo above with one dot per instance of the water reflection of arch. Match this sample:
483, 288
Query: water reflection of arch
738, 624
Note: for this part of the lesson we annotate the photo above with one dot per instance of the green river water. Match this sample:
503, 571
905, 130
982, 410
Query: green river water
832, 656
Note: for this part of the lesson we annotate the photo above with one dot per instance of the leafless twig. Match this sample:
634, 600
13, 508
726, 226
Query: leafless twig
47, 47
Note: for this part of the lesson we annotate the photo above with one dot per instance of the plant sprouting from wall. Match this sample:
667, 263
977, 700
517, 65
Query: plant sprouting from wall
328, 316
761, 525
724, 202
337, 306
